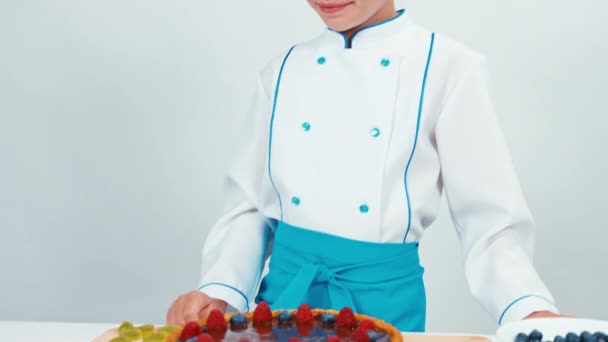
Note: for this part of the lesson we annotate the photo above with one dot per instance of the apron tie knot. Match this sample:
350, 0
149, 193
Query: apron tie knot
324, 275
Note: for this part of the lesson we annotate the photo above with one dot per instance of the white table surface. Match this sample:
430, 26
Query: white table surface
51, 331
59, 332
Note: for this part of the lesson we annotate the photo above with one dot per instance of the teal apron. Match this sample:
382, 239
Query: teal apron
383, 280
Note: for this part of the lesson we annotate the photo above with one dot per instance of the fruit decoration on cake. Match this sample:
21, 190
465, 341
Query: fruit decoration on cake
303, 324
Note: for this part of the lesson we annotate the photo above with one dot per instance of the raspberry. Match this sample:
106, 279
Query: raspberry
304, 314
218, 335
293, 339
191, 330
216, 321
204, 338
346, 318
333, 339
344, 333
367, 324
263, 329
360, 335
305, 329
262, 313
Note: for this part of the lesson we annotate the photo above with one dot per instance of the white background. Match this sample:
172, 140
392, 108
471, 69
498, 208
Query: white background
117, 122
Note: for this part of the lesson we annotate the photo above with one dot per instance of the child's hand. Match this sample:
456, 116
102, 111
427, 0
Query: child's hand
192, 306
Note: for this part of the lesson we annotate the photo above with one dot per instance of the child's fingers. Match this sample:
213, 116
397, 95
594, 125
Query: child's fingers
194, 303
175, 311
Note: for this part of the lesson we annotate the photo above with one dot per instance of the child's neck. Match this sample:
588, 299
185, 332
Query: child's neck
385, 13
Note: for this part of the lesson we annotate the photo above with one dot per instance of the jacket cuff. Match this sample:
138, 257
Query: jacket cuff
230, 294
524, 306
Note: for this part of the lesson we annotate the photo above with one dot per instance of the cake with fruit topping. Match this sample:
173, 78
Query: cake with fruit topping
263, 324
302, 324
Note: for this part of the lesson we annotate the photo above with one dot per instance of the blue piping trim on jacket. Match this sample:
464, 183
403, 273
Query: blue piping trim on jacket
348, 43
230, 287
518, 300
274, 108
407, 193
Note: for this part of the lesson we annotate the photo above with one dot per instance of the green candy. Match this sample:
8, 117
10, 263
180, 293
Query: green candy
120, 339
167, 329
156, 337
124, 327
131, 334
146, 330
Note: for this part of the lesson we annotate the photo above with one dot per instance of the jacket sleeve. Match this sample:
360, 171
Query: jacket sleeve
488, 208
235, 249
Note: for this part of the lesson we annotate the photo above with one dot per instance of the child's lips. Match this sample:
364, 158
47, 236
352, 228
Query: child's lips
333, 8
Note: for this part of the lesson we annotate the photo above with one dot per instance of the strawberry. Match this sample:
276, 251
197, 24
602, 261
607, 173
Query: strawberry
360, 335
262, 313
244, 339
367, 324
216, 321
304, 314
204, 338
346, 318
293, 339
191, 330
333, 339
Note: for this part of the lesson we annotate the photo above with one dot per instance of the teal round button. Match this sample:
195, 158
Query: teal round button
375, 133
364, 209
385, 62
306, 126
295, 200
321, 60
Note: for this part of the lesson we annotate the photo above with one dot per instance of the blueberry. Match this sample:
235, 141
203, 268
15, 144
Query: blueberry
203, 329
238, 320
191, 339
328, 319
373, 337
571, 337
521, 337
536, 335
587, 337
601, 337
559, 339
285, 317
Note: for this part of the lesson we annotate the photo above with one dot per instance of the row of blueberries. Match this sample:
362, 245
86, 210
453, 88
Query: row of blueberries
585, 336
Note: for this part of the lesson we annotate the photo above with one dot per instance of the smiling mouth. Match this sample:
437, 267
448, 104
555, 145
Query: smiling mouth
333, 8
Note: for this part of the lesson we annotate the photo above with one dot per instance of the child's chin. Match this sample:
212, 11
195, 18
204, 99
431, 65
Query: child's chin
344, 22
339, 25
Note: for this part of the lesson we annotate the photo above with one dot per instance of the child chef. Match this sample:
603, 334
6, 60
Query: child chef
351, 141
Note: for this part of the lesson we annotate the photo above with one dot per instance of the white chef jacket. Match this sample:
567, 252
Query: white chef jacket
360, 140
